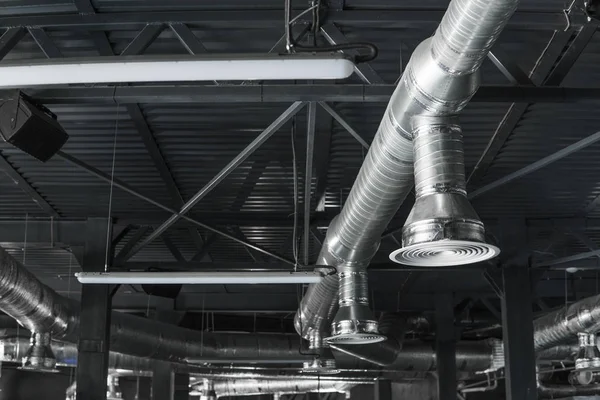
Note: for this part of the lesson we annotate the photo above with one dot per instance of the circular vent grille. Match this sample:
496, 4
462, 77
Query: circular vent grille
444, 253
356, 338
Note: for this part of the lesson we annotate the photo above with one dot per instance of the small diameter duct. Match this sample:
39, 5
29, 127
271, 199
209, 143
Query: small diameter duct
439, 81
40, 309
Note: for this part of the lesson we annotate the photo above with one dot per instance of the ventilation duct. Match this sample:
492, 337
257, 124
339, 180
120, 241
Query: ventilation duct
40, 309
257, 387
439, 81
564, 325
323, 362
588, 356
442, 229
39, 356
208, 390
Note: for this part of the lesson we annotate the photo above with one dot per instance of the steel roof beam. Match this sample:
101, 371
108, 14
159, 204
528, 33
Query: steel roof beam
215, 19
274, 93
559, 155
127, 188
143, 40
311, 125
542, 74
9, 40
508, 67
44, 42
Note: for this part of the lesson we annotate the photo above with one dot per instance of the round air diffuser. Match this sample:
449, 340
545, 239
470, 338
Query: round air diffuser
442, 229
444, 253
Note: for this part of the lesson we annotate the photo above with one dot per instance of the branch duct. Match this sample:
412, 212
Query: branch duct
40, 309
439, 81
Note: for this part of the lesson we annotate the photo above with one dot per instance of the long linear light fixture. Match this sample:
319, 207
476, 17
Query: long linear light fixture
199, 278
127, 69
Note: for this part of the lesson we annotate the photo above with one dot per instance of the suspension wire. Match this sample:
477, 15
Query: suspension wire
296, 206
110, 196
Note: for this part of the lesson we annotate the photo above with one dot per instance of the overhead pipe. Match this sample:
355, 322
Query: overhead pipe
257, 387
40, 309
439, 81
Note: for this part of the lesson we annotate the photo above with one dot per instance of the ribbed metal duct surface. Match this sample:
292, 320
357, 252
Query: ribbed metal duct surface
257, 387
40, 309
439, 80
563, 325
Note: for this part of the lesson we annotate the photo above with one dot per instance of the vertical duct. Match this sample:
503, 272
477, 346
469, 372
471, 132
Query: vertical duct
39, 355
439, 81
442, 229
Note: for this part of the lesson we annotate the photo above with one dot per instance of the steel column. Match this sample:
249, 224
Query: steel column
383, 390
94, 330
308, 175
445, 339
163, 383
224, 173
517, 327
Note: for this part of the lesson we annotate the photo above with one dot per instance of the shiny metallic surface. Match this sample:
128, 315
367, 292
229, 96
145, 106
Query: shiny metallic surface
565, 324
255, 387
39, 308
442, 229
588, 356
354, 322
440, 79
39, 355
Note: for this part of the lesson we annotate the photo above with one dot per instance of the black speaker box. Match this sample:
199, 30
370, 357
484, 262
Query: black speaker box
31, 128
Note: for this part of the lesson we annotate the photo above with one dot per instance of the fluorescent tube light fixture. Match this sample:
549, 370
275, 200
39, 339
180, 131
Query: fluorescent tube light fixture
128, 69
198, 278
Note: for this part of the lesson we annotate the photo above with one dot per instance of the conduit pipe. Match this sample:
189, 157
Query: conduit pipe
439, 81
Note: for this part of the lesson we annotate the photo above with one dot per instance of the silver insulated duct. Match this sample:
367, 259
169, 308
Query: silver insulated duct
442, 229
257, 387
439, 81
40, 309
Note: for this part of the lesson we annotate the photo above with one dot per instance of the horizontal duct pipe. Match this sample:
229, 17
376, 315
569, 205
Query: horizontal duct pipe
257, 387
563, 325
40, 309
14, 347
566, 391
439, 80
416, 355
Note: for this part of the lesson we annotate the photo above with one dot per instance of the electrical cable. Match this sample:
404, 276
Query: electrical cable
292, 45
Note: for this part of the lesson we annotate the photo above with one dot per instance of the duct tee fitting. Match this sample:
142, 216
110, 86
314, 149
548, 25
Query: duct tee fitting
323, 362
39, 356
588, 357
442, 229
354, 322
